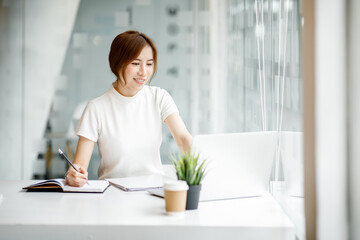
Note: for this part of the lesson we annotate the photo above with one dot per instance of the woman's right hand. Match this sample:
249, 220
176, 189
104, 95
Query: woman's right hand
76, 179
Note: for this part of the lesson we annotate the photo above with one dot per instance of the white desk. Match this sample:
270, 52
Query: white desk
293, 206
133, 215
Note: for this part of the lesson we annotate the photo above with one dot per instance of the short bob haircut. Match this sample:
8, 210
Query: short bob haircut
125, 48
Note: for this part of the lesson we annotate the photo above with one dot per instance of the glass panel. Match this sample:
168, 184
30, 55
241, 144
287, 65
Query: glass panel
11, 89
264, 88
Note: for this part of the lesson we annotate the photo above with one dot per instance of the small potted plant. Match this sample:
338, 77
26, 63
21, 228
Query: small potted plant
188, 168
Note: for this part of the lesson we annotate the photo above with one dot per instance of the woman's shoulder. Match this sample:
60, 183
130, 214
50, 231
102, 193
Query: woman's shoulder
100, 100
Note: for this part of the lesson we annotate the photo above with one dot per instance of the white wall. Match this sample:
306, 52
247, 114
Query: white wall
330, 111
48, 26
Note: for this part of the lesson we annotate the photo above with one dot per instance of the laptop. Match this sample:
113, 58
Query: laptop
239, 164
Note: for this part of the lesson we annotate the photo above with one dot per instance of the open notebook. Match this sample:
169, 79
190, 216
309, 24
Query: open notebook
59, 184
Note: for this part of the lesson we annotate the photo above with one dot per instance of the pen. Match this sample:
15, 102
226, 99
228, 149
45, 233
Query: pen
63, 154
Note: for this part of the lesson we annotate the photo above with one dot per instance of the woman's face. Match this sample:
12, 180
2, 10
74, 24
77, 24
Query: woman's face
137, 73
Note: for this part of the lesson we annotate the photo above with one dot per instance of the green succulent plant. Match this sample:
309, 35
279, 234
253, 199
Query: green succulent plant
188, 168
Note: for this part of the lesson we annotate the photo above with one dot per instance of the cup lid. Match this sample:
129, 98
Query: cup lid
175, 185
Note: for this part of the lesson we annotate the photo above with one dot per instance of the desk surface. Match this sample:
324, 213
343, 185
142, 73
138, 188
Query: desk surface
133, 215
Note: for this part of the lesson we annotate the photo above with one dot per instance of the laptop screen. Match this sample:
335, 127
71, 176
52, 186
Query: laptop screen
239, 164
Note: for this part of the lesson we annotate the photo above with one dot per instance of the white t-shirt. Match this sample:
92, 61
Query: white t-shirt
128, 130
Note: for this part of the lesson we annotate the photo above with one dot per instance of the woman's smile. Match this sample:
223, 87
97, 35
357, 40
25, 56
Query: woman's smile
140, 80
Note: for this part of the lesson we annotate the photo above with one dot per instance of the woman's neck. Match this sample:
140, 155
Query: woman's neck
123, 90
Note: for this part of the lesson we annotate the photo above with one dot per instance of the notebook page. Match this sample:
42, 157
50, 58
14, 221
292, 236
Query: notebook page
90, 186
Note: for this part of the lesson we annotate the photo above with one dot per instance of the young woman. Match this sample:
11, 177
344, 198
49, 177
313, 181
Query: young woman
126, 120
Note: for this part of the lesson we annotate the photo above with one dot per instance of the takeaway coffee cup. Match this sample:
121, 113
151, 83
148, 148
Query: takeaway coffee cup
175, 197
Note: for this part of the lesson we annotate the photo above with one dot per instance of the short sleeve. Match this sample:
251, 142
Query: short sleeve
167, 105
89, 123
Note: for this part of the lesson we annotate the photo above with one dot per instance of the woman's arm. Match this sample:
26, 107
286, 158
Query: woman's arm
84, 150
179, 131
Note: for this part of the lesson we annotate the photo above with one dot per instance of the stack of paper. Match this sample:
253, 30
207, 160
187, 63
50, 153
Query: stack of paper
139, 183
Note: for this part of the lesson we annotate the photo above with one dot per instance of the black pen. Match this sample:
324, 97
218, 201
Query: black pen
61, 153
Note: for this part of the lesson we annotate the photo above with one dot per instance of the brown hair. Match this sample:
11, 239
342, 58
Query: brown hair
125, 48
